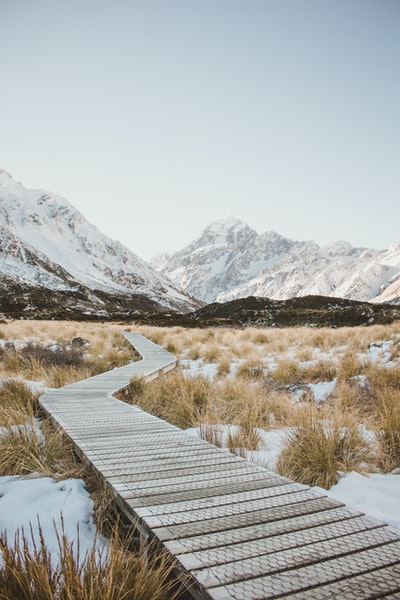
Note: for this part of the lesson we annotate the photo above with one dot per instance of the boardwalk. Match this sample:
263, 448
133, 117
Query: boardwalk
241, 532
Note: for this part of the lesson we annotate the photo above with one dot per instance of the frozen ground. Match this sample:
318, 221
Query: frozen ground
56, 506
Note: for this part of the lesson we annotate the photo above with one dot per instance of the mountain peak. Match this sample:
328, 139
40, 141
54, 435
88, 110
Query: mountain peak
227, 222
226, 254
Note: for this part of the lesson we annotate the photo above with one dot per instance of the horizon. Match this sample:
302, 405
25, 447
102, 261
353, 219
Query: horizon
155, 119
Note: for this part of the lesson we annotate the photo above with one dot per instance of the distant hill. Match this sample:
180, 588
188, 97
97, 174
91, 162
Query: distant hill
309, 311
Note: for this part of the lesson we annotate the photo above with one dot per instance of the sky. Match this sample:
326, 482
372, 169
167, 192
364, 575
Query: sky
156, 117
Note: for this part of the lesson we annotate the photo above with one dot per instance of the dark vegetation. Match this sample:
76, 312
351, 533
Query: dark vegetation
27, 302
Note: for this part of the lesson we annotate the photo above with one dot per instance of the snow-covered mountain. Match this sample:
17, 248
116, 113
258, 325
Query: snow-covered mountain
227, 254
46, 243
229, 260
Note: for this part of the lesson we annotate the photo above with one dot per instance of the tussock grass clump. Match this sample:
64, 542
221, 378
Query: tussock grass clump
242, 439
57, 377
322, 370
354, 397
179, 400
287, 372
351, 366
194, 352
135, 389
388, 431
230, 397
380, 377
224, 367
318, 451
250, 369
17, 402
25, 450
211, 353
28, 571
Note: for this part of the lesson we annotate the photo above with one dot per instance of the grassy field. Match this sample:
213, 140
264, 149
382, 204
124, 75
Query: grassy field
262, 379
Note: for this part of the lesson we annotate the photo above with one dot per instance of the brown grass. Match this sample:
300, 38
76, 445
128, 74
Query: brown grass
30, 572
317, 450
17, 402
25, 450
388, 430
179, 400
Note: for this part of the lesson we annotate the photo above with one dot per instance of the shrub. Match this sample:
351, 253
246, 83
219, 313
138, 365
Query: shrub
52, 356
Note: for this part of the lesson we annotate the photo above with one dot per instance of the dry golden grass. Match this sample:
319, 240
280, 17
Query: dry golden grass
251, 370
17, 402
25, 450
172, 397
27, 352
224, 367
388, 429
28, 571
318, 450
287, 372
256, 399
243, 439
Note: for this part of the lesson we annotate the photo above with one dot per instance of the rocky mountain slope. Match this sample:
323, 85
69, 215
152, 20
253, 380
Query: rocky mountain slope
50, 254
227, 254
229, 260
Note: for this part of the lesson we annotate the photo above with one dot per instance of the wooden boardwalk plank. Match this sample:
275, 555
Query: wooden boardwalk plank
240, 531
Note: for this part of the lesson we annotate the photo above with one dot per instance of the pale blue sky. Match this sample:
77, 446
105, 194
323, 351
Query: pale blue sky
156, 117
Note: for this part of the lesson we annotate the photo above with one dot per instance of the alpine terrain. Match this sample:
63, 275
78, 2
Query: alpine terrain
229, 260
53, 262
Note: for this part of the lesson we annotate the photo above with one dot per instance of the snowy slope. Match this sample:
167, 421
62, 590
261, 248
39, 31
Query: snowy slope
229, 260
46, 241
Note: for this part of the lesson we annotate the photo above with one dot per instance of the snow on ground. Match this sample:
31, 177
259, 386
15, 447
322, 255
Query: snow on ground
26, 502
322, 389
374, 494
193, 368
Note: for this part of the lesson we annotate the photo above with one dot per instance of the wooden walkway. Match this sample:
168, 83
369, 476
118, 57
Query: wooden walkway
241, 532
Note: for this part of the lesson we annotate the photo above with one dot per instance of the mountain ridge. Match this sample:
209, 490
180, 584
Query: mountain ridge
47, 243
230, 260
